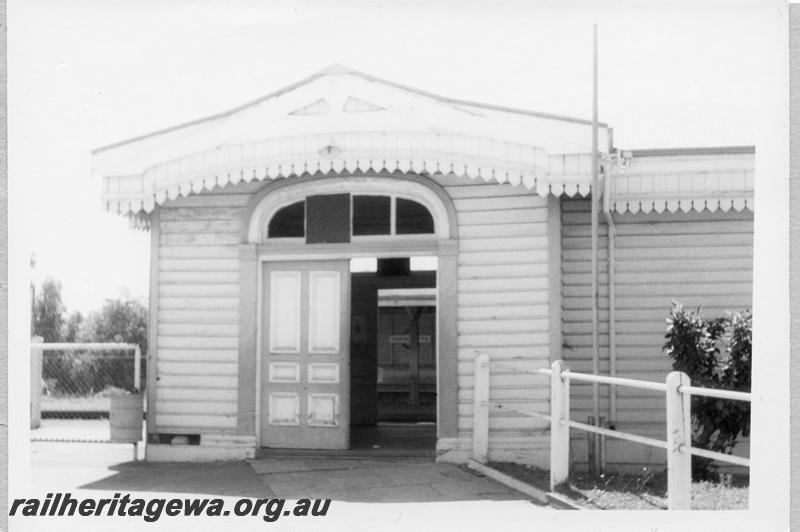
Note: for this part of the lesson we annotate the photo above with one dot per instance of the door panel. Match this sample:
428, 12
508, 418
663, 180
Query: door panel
284, 326
305, 365
324, 313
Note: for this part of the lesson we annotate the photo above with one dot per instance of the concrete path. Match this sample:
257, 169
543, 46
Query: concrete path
373, 493
64, 466
376, 480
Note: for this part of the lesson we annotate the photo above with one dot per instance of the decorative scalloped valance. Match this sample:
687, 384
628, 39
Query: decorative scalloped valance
431, 153
642, 188
719, 189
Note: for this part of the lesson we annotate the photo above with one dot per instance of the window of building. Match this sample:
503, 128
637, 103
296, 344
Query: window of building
288, 222
372, 215
412, 218
326, 219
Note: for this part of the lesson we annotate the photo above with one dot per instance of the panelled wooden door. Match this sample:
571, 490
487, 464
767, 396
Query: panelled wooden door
305, 355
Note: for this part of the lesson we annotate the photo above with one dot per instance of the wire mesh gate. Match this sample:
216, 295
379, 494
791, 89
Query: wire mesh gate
72, 385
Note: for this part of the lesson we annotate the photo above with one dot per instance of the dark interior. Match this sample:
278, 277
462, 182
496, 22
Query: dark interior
392, 361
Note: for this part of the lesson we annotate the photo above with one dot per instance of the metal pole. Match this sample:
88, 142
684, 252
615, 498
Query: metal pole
137, 367
36, 382
612, 303
595, 290
603, 442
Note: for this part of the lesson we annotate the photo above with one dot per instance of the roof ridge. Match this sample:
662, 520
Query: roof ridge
335, 69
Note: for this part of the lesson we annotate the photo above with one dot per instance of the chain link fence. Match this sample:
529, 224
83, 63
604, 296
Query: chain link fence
72, 385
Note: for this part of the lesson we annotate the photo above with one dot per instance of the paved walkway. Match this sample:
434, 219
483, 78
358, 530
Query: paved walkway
376, 480
368, 492
361, 478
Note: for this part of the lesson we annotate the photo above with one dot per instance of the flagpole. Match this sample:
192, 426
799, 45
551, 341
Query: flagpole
595, 197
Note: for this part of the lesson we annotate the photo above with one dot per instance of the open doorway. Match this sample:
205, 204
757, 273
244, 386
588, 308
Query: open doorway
393, 354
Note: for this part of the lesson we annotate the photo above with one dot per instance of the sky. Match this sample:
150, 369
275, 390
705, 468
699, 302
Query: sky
86, 73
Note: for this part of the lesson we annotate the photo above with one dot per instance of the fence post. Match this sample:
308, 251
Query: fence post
36, 383
679, 463
137, 368
559, 425
480, 423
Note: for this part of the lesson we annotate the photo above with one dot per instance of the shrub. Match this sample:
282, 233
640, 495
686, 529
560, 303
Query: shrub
79, 373
714, 353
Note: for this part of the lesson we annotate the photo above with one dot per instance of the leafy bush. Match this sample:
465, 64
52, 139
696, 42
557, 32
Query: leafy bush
714, 353
80, 373
118, 321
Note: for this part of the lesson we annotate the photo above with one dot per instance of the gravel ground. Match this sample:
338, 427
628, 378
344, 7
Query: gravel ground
647, 491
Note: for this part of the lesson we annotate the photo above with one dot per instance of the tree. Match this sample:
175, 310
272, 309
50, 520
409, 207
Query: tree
120, 321
73, 326
80, 373
48, 322
48, 312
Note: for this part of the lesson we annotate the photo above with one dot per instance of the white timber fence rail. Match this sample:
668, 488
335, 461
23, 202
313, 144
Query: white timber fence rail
677, 389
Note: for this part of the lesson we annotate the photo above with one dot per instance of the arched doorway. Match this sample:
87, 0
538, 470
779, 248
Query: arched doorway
303, 234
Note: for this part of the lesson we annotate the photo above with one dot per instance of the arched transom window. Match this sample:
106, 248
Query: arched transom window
334, 218
347, 209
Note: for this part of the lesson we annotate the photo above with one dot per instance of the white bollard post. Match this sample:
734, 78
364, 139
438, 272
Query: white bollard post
679, 463
137, 368
559, 425
480, 423
36, 383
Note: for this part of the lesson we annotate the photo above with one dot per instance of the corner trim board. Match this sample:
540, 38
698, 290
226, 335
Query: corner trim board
554, 272
248, 382
152, 333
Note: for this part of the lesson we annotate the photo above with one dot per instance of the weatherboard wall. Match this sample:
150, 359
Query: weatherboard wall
699, 259
503, 308
198, 312
504, 305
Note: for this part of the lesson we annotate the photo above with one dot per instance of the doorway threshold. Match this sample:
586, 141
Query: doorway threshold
428, 455
384, 440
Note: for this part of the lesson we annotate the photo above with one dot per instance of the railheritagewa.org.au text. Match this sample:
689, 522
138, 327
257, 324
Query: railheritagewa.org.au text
65, 505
